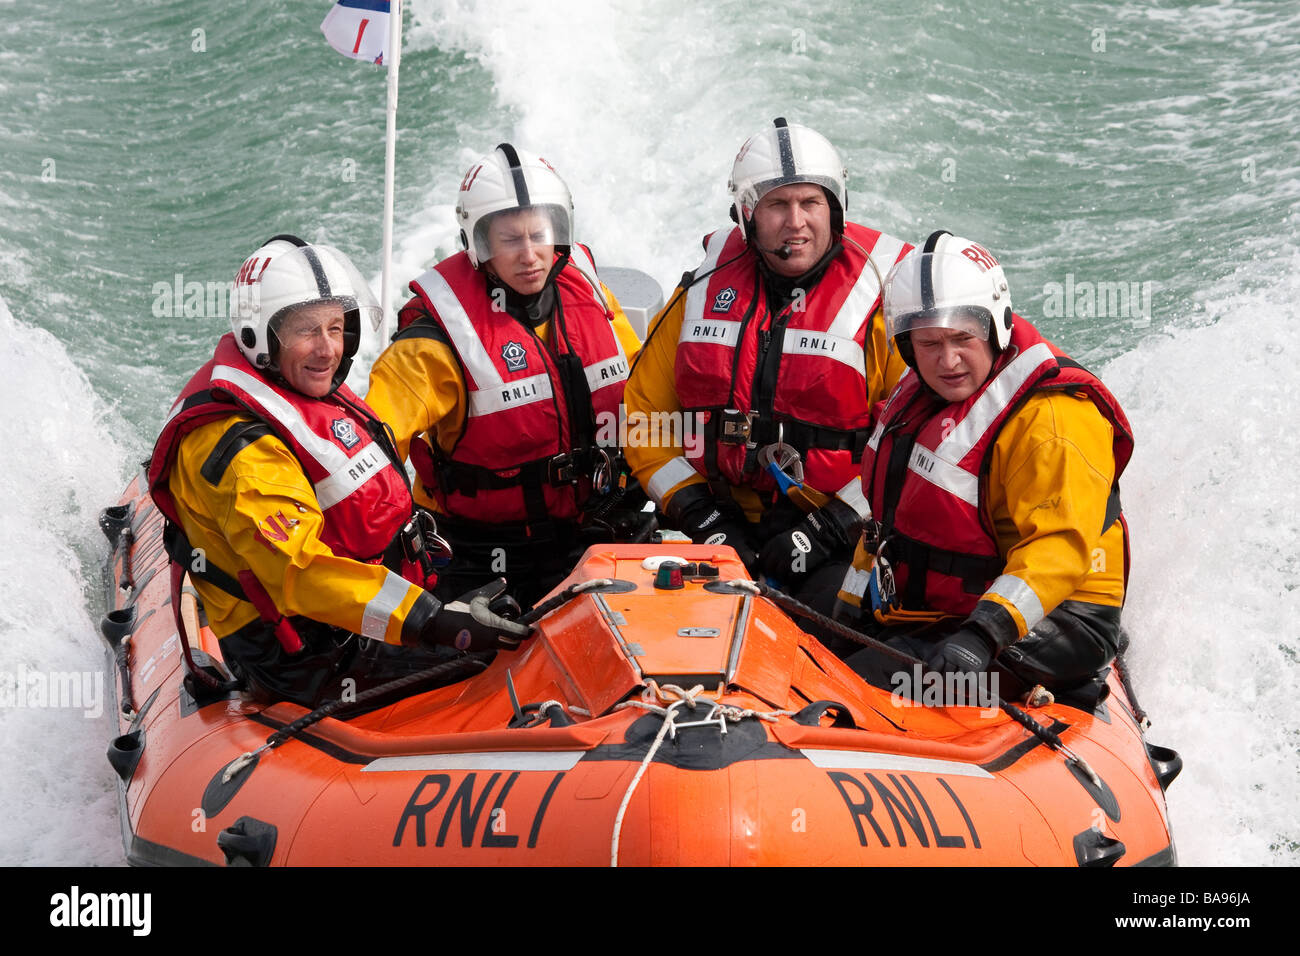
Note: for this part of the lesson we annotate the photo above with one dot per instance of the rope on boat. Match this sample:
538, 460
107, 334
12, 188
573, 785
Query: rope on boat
540, 611
669, 712
721, 712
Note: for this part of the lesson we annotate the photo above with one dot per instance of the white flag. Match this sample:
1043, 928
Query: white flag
358, 29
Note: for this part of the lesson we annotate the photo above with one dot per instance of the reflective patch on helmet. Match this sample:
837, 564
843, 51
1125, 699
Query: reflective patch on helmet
345, 432
462, 639
515, 357
723, 300
801, 542
719, 538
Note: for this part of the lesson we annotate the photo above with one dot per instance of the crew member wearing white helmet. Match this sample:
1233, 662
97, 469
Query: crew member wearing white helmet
289, 506
992, 476
776, 344
504, 381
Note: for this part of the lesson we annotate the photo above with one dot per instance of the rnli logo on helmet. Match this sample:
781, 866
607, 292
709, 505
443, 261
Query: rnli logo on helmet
722, 301
515, 357
344, 431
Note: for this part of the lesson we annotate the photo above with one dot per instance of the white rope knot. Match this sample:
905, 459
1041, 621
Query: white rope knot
686, 696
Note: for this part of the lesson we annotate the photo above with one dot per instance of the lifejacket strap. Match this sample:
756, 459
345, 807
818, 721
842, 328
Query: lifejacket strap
182, 554
236, 438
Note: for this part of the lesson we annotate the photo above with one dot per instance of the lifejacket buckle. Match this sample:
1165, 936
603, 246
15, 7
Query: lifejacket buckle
602, 473
422, 545
880, 585
561, 469
784, 463
735, 426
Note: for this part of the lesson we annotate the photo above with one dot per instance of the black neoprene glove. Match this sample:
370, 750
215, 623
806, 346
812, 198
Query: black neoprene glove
478, 621
965, 651
789, 558
707, 522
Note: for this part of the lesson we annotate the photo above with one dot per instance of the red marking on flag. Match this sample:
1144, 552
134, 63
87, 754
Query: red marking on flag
360, 31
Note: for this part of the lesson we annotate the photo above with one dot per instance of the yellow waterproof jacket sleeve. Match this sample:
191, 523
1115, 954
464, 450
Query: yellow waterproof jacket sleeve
663, 469
263, 516
1049, 481
417, 387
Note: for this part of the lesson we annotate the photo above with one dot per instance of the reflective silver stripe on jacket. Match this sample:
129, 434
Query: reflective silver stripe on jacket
855, 581
661, 482
381, 608
846, 351
851, 494
579, 259
1021, 595
608, 371
944, 474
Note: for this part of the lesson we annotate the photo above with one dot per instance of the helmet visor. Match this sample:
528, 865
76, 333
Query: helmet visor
512, 231
962, 318
828, 183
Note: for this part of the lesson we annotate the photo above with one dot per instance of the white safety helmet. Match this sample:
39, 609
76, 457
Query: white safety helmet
507, 179
781, 155
949, 283
285, 273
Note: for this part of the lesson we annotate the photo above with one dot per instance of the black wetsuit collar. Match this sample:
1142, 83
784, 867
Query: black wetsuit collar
782, 288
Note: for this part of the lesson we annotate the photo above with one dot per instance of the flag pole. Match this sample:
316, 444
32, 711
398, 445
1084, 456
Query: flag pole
390, 162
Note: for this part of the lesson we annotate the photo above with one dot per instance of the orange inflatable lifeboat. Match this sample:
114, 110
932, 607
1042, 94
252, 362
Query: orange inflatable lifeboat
646, 723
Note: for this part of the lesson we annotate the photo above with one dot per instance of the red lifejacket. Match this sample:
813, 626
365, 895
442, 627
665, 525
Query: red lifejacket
926, 467
528, 447
364, 498
816, 397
